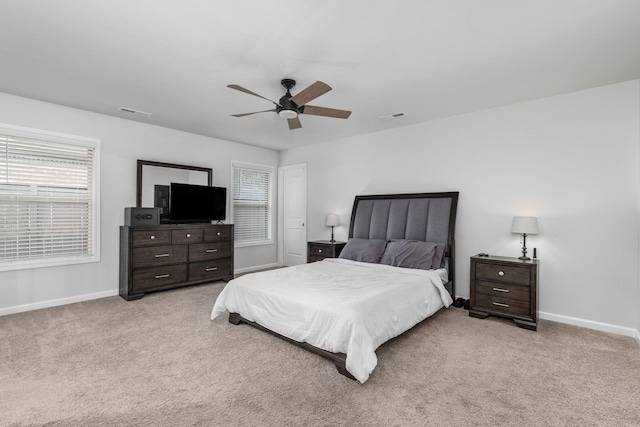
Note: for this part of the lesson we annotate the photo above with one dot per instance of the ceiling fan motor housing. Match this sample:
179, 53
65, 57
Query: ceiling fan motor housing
287, 108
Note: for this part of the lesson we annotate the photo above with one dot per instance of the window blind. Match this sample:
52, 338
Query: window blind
252, 206
47, 205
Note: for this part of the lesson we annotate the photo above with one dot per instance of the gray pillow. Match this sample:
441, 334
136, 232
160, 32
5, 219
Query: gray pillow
438, 258
365, 250
409, 254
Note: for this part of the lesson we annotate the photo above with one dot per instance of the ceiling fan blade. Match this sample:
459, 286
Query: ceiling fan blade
241, 89
294, 123
310, 93
255, 112
326, 112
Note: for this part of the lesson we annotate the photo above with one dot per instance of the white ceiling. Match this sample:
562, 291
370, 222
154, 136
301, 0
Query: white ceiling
428, 58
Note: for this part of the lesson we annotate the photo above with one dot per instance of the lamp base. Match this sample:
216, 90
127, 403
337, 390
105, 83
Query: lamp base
524, 256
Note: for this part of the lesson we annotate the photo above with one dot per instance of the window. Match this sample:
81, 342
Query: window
48, 198
252, 203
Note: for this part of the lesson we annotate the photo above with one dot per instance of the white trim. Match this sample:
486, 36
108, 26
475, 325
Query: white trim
255, 268
637, 337
52, 136
590, 324
57, 302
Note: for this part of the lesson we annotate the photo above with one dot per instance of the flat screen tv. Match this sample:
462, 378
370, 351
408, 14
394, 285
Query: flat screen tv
197, 203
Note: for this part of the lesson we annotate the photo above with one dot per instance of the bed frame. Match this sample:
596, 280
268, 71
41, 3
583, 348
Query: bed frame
428, 217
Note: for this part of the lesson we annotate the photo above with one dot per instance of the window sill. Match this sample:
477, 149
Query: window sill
58, 262
257, 243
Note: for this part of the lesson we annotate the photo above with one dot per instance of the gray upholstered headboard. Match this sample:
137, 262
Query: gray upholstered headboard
428, 217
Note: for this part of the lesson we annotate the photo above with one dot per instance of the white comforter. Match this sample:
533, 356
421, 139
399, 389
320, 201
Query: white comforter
338, 305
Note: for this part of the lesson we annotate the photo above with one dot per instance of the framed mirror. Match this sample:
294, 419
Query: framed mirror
154, 177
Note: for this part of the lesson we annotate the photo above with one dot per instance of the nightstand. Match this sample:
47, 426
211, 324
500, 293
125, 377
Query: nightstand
321, 249
505, 287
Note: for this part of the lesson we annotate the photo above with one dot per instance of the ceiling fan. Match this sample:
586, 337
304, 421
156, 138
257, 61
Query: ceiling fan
290, 107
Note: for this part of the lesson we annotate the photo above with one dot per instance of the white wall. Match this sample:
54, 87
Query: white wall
122, 143
570, 160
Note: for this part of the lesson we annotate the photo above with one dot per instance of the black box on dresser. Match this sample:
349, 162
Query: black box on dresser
505, 287
160, 257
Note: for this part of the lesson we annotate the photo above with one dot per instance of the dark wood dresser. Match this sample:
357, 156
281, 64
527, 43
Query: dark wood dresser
506, 287
155, 258
321, 249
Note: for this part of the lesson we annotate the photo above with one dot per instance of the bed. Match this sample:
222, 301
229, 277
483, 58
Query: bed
396, 270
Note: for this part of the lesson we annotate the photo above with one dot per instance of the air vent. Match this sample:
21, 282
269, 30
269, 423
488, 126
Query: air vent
393, 116
136, 112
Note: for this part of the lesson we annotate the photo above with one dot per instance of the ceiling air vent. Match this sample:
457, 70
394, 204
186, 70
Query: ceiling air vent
393, 116
136, 112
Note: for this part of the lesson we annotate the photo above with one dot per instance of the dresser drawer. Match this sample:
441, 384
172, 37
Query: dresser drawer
156, 277
204, 251
158, 255
217, 234
212, 270
503, 273
150, 237
186, 236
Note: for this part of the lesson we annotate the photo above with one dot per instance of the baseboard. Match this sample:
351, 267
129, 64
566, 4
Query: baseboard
590, 324
56, 302
255, 268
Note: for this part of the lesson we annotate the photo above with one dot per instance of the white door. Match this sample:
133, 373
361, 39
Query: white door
293, 181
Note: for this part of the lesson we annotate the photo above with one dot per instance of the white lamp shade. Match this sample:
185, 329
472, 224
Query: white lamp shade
332, 220
524, 225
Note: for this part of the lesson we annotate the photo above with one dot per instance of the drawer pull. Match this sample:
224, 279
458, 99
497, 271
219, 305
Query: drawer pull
152, 237
501, 290
211, 269
499, 304
500, 273
211, 250
188, 234
218, 233
319, 251
162, 276
162, 255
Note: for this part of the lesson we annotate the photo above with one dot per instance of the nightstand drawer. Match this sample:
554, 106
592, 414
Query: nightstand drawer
320, 251
503, 273
503, 291
502, 304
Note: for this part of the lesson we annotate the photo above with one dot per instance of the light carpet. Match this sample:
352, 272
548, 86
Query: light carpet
160, 361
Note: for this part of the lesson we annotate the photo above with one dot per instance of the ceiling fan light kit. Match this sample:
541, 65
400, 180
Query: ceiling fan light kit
290, 107
288, 114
